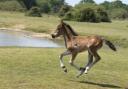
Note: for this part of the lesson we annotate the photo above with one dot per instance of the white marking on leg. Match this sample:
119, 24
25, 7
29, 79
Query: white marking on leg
86, 70
61, 63
61, 57
70, 62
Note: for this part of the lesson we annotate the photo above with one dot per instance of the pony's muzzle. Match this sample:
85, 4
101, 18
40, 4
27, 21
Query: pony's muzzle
53, 36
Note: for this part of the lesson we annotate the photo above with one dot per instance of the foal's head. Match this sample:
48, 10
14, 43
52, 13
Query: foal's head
59, 31
63, 28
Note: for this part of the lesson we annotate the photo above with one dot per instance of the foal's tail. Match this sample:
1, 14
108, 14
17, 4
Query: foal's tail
110, 44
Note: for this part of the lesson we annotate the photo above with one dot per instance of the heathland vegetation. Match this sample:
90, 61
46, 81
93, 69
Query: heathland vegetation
84, 11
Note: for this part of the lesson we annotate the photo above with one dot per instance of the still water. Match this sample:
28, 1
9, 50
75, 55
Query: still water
12, 38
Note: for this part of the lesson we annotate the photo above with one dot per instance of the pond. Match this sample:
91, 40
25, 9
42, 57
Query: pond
13, 38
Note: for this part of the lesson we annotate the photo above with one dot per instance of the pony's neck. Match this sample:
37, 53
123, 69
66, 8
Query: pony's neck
65, 40
67, 37
71, 30
68, 34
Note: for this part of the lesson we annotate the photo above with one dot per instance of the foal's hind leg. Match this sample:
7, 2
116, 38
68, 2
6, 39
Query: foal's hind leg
84, 69
97, 58
90, 60
61, 59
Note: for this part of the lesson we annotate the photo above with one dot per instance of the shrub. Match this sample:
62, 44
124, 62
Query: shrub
64, 10
34, 11
119, 13
45, 8
103, 16
68, 16
88, 13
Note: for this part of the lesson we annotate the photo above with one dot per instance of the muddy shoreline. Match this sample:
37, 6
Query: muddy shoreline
28, 33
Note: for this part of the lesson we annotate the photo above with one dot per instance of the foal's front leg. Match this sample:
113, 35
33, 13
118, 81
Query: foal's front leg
61, 59
71, 62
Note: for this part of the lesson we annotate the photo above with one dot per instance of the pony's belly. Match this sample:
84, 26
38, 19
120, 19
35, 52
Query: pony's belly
77, 48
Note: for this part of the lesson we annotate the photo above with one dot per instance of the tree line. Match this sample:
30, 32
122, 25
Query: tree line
84, 11
89, 11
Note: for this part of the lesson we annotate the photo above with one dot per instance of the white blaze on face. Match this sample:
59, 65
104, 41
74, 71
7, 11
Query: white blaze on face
55, 33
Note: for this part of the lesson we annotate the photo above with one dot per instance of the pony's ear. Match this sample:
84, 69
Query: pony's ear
61, 21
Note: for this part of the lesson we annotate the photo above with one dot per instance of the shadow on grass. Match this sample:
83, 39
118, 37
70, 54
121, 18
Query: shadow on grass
99, 84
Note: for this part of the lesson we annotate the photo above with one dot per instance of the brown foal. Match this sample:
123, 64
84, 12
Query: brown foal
76, 44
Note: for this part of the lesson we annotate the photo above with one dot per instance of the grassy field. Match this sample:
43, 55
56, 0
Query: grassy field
49, 23
33, 68
38, 68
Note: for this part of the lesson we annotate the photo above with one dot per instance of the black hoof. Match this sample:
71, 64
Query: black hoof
65, 70
82, 69
81, 72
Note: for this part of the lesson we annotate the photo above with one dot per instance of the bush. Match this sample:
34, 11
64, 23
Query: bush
63, 10
34, 12
45, 8
44, 5
103, 16
68, 16
119, 13
88, 13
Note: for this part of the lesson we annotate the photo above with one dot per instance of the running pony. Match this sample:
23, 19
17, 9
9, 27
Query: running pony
76, 44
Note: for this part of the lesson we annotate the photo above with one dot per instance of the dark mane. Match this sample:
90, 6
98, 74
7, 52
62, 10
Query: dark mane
70, 28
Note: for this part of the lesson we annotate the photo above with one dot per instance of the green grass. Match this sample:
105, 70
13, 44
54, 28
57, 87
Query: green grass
33, 68
36, 24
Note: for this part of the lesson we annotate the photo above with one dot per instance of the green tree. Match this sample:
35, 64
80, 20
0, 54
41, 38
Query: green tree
117, 4
44, 6
87, 1
107, 5
50, 5
34, 12
55, 5
64, 9
68, 16
28, 4
119, 13
103, 15
87, 15
116, 9
88, 12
